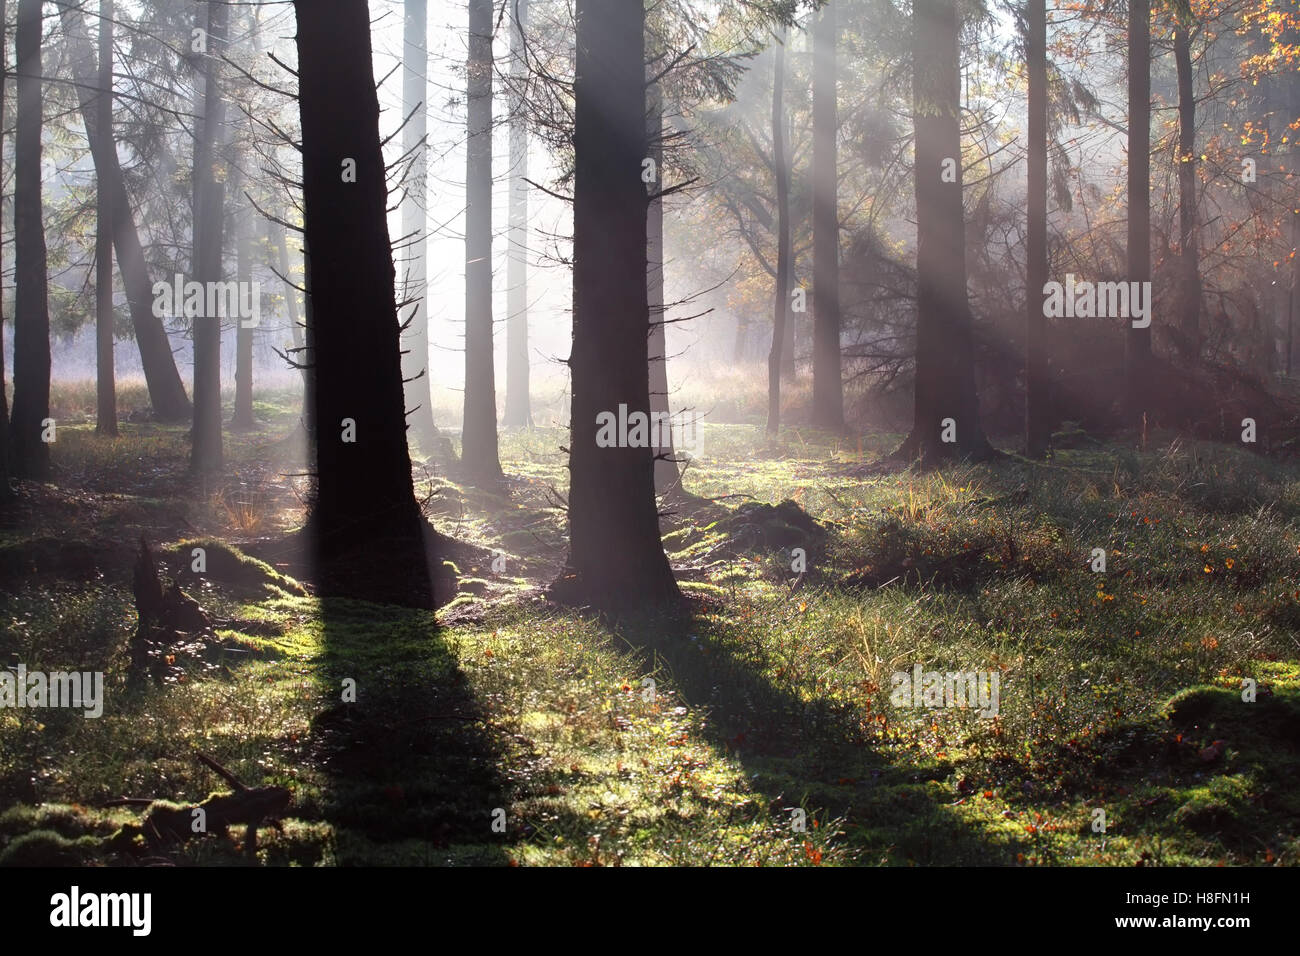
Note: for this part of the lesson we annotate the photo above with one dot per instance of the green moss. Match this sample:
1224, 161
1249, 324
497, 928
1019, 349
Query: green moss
47, 848
229, 565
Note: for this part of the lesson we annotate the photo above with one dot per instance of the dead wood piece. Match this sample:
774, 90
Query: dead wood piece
250, 807
147, 586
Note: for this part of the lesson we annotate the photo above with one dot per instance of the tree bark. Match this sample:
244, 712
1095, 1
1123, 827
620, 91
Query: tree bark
364, 521
945, 402
1137, 342
5, 490
209, 223
31, 308
166, 391
781, 301
615, 556
415, 85
105, 382
668, 475
1189, 284
1038, 412
828, 386
243, 414
518, 413
479, 434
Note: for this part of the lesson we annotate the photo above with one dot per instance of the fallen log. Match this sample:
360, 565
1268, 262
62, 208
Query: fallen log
168, 822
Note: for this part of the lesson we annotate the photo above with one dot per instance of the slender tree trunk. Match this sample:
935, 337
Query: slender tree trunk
828, 386
518, 413
415, 85
1137, 342
1038, 423
1293, 298
615, 556
209, 222
789, 367
31, 312
242, 418
364, 519
105, 383
781, 301
1189, 286
479, 435
5, 491
243, 414
668, 476
166, 391
946, 421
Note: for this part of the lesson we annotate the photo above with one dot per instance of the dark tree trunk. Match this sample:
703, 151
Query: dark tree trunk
615, 555
105, 383
781, 299
415, 85
364, 520
828, 386
31, 308
1189, 284
518, 413
1038, 423
945, 398
209, 222
166, 392
1137, 342
479, 434
668, 476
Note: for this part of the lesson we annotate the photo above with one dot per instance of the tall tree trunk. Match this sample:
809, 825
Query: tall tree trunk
364, 520
105, 382
5, 490
415, 86
31, 309
668, 476
519, 412
615, 556
789, 367
828, 386
166, 391
479, 434
1137, 342
1038, 422
1293, 297
945, 403
209, 222
1189, 284
243, 414
781, 300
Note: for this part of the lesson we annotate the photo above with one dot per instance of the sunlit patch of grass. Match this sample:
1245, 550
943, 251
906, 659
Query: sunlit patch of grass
242, 512
1120, 690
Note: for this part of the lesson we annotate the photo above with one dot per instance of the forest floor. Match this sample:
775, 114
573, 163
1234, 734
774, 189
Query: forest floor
757, 728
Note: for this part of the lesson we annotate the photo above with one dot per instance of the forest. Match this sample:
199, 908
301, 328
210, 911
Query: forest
799, 433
